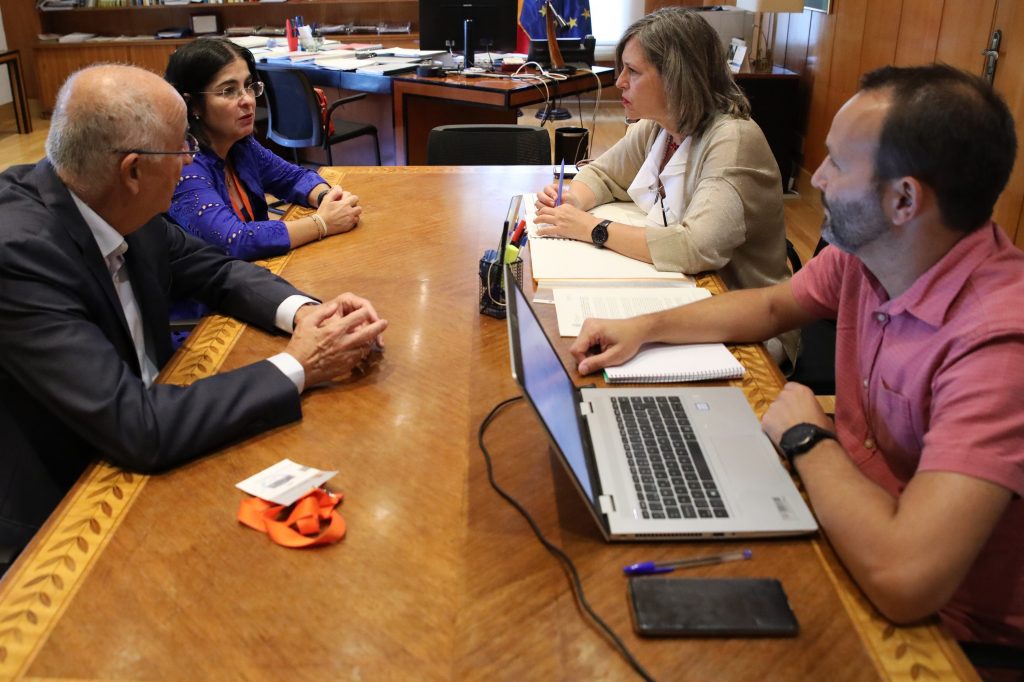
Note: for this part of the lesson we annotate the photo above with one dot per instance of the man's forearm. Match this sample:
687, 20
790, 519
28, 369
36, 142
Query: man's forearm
744, 316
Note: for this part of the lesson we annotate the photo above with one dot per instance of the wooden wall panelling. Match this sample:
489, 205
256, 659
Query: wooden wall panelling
151, 56
919, 32
1009, 18
881, 30
819, 60
966, 27
57, 62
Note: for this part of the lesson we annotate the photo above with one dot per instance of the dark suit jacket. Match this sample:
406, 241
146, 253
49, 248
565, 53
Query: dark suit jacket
70, 387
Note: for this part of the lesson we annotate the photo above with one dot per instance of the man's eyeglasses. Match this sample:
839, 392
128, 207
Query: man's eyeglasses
190, 147
234, 92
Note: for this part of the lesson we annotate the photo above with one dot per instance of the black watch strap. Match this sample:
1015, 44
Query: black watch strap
599, 235
801, 438
320, 197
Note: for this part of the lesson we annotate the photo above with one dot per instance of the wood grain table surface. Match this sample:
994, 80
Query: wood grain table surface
152, 578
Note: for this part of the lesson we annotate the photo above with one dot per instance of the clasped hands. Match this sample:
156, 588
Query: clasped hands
567, 220
340, 210
336, 337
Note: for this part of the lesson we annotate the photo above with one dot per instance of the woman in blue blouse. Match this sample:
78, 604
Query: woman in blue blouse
220, 197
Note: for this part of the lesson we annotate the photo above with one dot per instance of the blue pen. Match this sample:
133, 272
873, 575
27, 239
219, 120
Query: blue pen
652, 567
561, 179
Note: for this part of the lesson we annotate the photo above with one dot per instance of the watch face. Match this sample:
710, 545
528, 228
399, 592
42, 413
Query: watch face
801, 438
599, 235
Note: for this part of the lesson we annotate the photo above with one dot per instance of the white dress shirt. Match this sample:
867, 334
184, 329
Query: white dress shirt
113, 247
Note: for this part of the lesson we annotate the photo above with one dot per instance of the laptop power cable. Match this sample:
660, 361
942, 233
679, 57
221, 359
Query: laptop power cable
559, 554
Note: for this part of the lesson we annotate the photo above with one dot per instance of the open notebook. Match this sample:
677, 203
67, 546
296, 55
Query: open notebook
557, 260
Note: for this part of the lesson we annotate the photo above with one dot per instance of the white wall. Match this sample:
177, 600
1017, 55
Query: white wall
5, 83
610, 19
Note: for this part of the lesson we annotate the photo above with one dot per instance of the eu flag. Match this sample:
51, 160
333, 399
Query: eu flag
575, 12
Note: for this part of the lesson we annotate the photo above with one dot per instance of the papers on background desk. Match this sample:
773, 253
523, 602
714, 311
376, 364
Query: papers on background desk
567, 259
284, 482
573, 305
249, 41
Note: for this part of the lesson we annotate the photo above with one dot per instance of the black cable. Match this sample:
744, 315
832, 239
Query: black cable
559, 554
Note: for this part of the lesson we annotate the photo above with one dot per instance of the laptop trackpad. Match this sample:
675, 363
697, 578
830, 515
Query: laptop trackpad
749, 461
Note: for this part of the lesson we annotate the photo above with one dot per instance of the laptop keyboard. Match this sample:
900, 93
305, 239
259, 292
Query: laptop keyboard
670, 473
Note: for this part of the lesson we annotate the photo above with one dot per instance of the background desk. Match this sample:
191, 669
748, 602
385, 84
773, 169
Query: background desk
438, 578
421, 103
418, 104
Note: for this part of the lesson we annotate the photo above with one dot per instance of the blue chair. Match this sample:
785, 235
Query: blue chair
295, 120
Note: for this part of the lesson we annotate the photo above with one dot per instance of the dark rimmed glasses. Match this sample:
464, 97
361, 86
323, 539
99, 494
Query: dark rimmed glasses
190, 148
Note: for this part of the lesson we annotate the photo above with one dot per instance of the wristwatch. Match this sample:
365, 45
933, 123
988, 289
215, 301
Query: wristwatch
800, 438
599, 235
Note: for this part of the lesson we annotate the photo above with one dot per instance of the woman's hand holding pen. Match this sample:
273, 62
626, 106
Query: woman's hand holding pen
565, 221
340, 211
548, 197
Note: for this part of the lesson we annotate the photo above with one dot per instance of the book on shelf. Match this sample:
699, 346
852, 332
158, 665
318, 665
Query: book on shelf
663, 363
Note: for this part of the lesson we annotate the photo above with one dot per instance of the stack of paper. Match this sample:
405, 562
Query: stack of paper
586, 281
573, 304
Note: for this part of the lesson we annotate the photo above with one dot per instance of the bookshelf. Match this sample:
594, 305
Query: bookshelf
55, 61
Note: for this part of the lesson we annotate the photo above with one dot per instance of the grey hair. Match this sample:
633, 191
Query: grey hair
84, 134
689, 56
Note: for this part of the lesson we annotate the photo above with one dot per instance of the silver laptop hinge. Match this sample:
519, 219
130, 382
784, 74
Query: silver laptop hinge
586, 408
607, 503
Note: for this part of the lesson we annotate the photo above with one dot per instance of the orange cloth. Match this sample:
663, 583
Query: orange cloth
305, 524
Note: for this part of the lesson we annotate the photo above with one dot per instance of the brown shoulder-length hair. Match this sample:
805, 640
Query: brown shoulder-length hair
689, 56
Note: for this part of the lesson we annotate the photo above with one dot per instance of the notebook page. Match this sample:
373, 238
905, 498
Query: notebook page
573, 304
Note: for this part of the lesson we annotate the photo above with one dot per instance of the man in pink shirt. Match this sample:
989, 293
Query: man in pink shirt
918, 482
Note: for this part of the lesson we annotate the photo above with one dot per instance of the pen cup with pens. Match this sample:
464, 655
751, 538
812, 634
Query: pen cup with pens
492, 283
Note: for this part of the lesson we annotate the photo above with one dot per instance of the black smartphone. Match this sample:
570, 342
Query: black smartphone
711, 607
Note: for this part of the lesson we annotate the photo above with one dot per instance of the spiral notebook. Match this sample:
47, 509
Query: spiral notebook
661, 363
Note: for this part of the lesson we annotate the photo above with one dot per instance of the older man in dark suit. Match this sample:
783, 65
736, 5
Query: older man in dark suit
87, 267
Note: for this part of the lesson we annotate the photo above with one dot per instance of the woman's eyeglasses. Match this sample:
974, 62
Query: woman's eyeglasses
234, 92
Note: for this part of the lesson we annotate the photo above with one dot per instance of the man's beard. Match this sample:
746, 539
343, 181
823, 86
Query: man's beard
850, 225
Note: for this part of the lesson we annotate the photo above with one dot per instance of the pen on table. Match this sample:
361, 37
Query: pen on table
561, 179
651, 567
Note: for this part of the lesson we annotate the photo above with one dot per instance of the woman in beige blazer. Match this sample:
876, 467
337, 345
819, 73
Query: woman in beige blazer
692, 160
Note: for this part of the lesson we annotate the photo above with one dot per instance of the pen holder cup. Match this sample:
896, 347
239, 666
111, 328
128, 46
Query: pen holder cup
492, 286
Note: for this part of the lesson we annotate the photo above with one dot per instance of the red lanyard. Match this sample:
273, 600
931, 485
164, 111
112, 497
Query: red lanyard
313, 519
670, 149
233, 179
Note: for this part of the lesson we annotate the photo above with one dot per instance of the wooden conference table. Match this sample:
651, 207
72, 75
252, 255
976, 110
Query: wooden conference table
438, 578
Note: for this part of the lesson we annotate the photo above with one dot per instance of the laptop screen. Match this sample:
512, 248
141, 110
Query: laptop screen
548, 386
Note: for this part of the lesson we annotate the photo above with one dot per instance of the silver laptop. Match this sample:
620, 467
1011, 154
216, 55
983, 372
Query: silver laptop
656, 463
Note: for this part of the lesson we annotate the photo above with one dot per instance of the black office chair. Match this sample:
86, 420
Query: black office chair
294, 119
488, 145
816, 365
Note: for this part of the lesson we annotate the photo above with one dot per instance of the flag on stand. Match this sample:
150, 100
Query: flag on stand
532, 16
